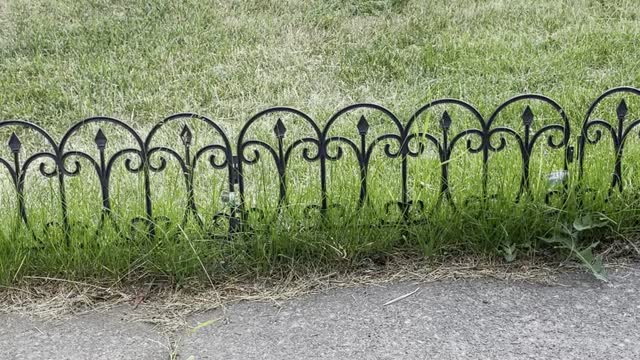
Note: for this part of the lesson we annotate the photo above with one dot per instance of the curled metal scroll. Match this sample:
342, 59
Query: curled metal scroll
312, 150
18, 169
366, 145
320, 145
135, 160
445, 143
219, 158
527, 141
592, 133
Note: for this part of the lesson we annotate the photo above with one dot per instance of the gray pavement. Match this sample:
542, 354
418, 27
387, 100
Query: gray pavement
580, 318
92, 336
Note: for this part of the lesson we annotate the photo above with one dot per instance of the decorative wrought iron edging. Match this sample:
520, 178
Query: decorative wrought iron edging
322, 147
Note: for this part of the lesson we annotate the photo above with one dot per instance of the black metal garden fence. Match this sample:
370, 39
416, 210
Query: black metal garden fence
320, 147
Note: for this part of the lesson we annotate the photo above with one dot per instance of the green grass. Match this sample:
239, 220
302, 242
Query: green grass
142, 60
61, 61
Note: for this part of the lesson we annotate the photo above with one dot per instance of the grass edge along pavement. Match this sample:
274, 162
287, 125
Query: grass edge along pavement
286, 238
64, 60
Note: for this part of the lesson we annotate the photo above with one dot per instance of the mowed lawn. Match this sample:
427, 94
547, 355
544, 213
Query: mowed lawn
63, 60
140, 61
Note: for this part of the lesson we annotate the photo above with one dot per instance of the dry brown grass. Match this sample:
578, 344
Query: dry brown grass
168, 307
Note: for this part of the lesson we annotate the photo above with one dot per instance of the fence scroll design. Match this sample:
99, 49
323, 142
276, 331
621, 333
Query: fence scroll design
324, 144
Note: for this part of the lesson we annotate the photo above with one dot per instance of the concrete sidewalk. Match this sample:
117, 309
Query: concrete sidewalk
475, 319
